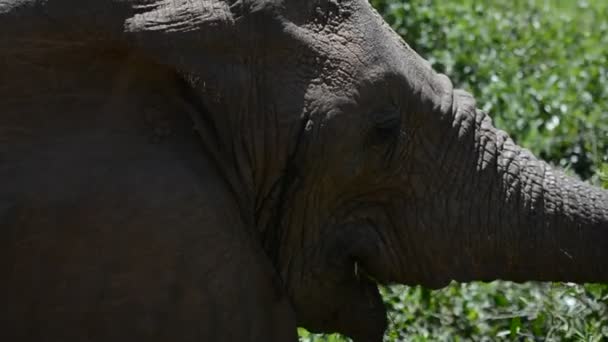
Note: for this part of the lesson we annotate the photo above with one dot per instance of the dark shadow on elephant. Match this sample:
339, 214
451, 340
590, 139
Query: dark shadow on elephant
227, 170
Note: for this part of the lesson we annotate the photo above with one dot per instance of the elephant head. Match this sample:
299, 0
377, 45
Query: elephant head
353, 161
390, 175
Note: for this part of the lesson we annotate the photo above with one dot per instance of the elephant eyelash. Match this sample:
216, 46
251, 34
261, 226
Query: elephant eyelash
389, 129
386, 129
385, 139
388, 118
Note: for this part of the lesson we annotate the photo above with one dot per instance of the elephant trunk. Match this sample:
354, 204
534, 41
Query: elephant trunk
504, 214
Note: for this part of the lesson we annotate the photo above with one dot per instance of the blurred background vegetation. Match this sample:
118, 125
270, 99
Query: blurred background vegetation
540, 68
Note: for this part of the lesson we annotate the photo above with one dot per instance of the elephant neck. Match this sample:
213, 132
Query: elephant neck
252, 145
273, 208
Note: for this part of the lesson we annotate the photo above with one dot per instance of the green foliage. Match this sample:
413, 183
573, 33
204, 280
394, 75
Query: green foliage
494, 311
603, 175
541, 69
498, 311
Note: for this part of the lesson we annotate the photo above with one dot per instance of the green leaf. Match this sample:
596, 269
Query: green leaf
515, 326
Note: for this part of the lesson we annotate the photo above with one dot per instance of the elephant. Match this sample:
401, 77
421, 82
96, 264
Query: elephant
229, 170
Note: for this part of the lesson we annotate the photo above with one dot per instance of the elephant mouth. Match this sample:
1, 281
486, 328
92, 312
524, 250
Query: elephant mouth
351, 306
364, 317
339, 291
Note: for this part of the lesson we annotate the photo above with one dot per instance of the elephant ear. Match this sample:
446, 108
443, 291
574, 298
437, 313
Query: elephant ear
186, 33
178, 32
192, 34
174, 16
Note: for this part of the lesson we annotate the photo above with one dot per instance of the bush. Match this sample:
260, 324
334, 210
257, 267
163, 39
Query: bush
541, 71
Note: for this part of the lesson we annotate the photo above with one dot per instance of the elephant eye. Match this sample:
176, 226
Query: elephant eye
386, 125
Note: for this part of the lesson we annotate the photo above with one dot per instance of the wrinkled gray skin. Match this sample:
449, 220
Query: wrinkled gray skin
326, 157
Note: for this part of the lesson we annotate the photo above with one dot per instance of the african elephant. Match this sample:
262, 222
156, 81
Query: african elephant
226, 170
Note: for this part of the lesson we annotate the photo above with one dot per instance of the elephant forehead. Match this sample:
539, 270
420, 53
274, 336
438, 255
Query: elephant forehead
345, 48
333, 59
